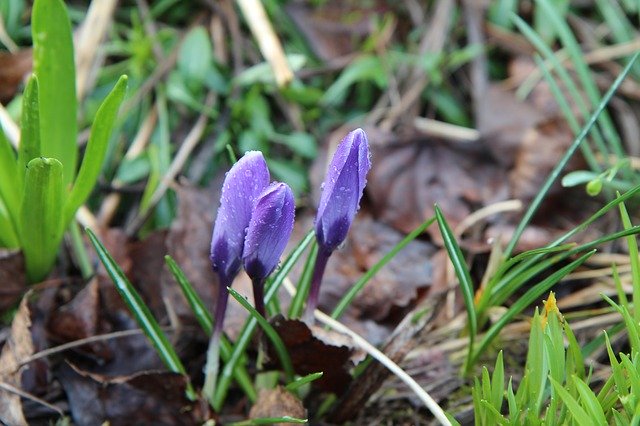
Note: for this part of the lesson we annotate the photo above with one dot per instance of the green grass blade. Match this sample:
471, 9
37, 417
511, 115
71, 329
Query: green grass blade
526, 300
138, 308
632, 244
582, 71
302, 292
272, 287
29, 127
358, 286
497, 383
271, 334
41, 216
296, 384
579, 414
203, 316
460, 267
96, 149
54, 65
566, 79
565, 158
9, 191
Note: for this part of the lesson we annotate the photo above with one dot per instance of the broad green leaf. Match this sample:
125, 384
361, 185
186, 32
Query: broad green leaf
29, 127
96, 149
9, 191
8, 236
54, 65
195, 57
364, 68
41, 216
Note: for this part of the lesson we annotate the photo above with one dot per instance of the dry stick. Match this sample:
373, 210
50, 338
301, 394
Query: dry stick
5, 38
190, 142
93, 30
433, 42
379, 356
26, 395
81, 342
268, 42
111, 201
403, 340
449, 131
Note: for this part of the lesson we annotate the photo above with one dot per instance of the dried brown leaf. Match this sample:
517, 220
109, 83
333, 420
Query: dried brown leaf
18, 347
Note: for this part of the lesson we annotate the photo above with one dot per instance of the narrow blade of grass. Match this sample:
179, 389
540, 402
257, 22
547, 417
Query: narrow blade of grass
271, 333
303, 381
526, 300
579, 414
297, 304
138, 308
565, 158
462, 272
41, 216
54, 65
203, 316
358, 286
632, 244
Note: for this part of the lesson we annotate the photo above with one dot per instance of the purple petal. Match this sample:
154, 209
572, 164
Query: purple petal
269, 230
242, 186
342, 190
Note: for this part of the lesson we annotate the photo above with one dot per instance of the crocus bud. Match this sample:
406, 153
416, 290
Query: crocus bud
342, 190
269, 230
340, 200
242, 186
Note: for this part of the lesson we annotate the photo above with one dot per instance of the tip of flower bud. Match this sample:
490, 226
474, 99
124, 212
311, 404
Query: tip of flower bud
342, 190
269, 230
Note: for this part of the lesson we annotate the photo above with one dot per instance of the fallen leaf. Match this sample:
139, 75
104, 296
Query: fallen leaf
143, 398
309, 354
18, 347
12, 277
407, 180
277, 402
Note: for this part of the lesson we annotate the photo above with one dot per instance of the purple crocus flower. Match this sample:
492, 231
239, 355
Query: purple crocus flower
340, 200
269, 230
242, 186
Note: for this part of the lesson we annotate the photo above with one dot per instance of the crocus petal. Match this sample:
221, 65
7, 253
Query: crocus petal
342, 190
269, 230
242, 185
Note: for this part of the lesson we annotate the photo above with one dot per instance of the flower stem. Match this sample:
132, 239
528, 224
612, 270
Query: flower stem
258, 296
316, 280
213, 353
